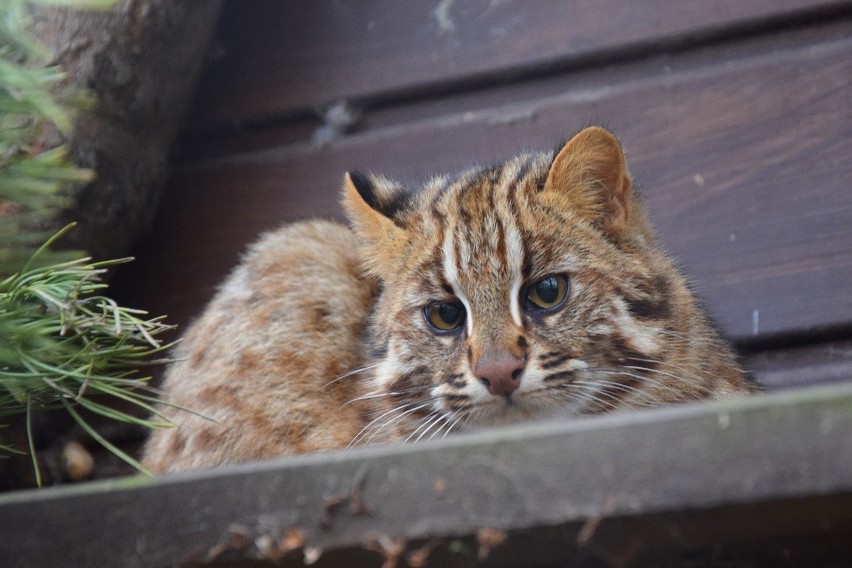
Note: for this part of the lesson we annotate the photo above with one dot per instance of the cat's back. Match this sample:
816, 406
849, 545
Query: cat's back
259, 363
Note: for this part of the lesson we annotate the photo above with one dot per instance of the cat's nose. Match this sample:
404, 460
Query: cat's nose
500, 373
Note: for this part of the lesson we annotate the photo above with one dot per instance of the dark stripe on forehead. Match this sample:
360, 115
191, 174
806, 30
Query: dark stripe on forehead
439, 237
501, 243
437, 215
514, 209
457, 257
512, 186
490, 196
464, 214
436, 198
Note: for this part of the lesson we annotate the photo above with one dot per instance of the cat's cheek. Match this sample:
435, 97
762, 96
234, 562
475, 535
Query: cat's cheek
531, 381
386, 372
460, 385
640, 338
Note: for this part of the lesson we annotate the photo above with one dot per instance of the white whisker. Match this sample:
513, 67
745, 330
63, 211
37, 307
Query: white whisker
684, 371
646, 379
350, 373
453, 422
394, 419
435, 421
623, 388
428, 419
376, 394
594, 398
374, 420
446, 421
685, 380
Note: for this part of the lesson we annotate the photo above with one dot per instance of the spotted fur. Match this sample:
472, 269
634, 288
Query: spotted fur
627, 334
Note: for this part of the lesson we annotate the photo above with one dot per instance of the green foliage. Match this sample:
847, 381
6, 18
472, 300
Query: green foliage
63, 343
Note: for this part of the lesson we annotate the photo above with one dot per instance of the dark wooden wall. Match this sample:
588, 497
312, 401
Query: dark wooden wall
736, 116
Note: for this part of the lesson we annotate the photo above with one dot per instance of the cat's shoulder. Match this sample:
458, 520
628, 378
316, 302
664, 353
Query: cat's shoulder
259, 363
300, 270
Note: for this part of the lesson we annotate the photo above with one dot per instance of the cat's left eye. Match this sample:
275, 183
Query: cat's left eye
547, 294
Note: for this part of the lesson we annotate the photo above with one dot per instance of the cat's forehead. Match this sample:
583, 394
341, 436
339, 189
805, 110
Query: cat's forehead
474, 200
470, 225
453, 188
487, 228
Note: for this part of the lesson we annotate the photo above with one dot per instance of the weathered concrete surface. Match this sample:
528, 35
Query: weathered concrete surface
760, 478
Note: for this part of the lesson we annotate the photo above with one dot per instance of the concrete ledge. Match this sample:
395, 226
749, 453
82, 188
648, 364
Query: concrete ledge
743, 478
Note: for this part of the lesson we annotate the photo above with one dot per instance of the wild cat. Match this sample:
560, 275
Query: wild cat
529, 289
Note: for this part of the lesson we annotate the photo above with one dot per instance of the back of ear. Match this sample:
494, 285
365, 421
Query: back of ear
589, 175
372, 205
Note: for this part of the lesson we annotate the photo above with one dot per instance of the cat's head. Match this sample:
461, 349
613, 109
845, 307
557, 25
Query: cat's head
516, 291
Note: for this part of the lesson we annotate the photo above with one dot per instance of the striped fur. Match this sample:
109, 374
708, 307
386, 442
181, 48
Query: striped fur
627, 335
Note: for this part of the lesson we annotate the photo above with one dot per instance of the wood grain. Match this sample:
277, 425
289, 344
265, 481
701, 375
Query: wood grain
744, 162
279, 57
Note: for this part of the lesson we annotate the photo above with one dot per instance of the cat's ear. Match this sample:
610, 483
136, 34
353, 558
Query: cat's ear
590, 175
373, 205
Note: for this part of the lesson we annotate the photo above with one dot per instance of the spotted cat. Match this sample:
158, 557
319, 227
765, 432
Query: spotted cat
531, 289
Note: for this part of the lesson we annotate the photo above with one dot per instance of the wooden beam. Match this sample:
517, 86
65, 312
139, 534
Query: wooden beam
277, 58
828, 361
626, 485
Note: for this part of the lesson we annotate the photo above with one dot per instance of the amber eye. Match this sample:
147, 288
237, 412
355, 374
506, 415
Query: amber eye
444, 316
547, 293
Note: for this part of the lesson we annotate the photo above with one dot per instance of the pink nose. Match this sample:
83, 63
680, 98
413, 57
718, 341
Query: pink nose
500, 373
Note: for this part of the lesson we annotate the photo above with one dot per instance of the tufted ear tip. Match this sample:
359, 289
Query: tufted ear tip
383, 196
360, 183
373, 204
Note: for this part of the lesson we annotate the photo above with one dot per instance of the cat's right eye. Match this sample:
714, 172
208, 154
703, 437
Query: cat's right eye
444, 316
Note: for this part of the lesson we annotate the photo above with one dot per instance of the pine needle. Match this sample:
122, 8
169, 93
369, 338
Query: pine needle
103, 441
31, 440
63, 342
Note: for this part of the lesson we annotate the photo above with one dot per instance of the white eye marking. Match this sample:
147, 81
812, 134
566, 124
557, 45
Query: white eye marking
640, 338
453, 277
514, 300
515, 258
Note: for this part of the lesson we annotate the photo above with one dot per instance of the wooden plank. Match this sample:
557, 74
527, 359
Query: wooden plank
744, 162
829, 361
279, 58
724, 480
